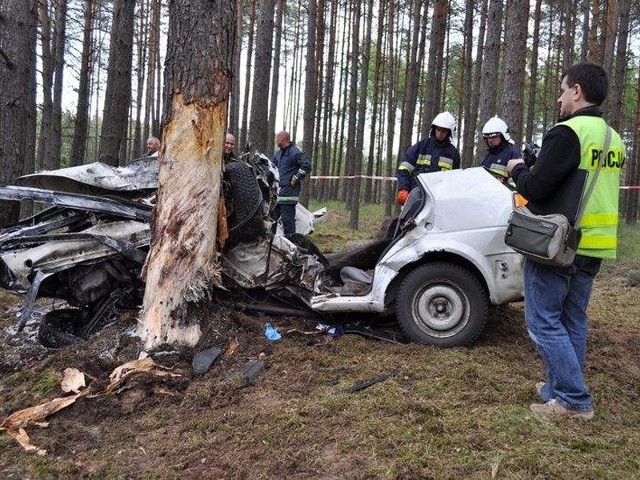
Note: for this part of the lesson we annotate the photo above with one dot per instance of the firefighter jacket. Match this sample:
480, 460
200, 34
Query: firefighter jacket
497, 158
427, 155
566, 165
290, 162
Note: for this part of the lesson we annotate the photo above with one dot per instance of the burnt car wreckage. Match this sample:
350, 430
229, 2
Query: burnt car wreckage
437, 267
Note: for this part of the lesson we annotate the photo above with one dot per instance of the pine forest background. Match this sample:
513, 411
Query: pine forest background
356, 82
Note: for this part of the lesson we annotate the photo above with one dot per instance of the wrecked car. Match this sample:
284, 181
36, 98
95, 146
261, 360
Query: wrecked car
437, 267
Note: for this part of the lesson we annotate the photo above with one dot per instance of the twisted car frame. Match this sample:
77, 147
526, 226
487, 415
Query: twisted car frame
437, 267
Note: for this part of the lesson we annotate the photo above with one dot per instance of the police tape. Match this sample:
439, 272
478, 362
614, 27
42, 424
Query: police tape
374, 177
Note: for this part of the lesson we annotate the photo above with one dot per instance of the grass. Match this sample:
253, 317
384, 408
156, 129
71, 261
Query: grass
454, 413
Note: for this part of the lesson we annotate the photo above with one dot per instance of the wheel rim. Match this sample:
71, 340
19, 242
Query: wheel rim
441, 309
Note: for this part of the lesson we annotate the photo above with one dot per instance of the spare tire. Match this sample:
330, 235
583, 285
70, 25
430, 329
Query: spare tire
244, 203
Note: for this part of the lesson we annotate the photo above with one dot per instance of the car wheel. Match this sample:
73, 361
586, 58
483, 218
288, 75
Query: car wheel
245, 204
442, 304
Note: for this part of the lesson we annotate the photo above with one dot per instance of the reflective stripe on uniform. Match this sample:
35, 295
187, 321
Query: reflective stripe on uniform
424, 159
598, 242
406, 166
288, 199
445, 163
599, 220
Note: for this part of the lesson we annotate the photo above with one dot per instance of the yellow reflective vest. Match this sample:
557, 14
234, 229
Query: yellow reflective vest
600, 219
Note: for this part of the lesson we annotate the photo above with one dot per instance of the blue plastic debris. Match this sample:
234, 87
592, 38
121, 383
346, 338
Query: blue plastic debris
271, 333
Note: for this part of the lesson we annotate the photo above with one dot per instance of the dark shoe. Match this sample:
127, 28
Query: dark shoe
552, 407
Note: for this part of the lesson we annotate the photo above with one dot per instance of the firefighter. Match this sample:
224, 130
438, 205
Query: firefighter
432, 154
501, 149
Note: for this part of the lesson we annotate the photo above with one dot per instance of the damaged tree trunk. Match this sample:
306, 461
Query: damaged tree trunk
182, 261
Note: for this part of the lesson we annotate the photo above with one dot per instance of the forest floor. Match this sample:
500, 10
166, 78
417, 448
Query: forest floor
429, 413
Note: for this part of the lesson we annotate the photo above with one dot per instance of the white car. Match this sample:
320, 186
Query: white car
437, 269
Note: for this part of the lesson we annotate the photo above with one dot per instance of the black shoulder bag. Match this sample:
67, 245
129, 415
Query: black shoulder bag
550, 239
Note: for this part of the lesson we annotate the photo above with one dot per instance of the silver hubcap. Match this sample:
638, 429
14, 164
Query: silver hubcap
440, 309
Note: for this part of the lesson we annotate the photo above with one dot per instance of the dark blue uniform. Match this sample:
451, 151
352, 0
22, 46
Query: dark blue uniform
498, 156
291, 162
428, 155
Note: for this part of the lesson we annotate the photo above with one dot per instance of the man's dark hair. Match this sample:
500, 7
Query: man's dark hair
592, 79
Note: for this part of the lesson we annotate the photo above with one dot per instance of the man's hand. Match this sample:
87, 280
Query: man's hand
293, 183
513, 162
401, 196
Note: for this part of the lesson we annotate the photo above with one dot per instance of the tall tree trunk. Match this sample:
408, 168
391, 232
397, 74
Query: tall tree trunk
533, 73
247, 85
118, 92
324, 185
59, 39
181, 263
354, 216
377, 69
320, 113
490, 68
152, 72
407, 117
516, 22
275, 78
44, 158
142, 42
434, 67
353, 99
81, 126
467, 83
392, 102
584, 47
615, 101
310, 92
17, 96
632, 175
259, 118
234, 100
470, 138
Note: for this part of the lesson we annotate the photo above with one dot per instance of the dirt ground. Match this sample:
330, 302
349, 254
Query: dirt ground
456, 413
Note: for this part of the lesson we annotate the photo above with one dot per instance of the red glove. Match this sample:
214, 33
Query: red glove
401, 197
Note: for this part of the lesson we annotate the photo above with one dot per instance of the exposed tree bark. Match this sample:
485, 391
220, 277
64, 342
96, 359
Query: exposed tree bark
434, 67
584, 48
609, 33
181, 263
467, 85
17, 96
516, 22
567, 39
320, 113
615, 100
81, 126
118, 92
392, 101
259, 117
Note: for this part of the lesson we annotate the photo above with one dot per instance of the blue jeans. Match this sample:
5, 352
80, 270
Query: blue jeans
555, 303
286, 212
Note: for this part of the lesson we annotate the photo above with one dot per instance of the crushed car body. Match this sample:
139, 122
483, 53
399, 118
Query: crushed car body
438, 267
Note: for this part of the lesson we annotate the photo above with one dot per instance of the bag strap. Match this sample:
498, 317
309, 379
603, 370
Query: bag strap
587, 194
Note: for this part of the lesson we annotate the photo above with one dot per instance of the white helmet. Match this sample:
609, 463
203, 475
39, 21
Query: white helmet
445, 120
496, 126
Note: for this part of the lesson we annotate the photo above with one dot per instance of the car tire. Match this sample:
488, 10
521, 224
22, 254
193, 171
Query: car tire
442, 304
245, 204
